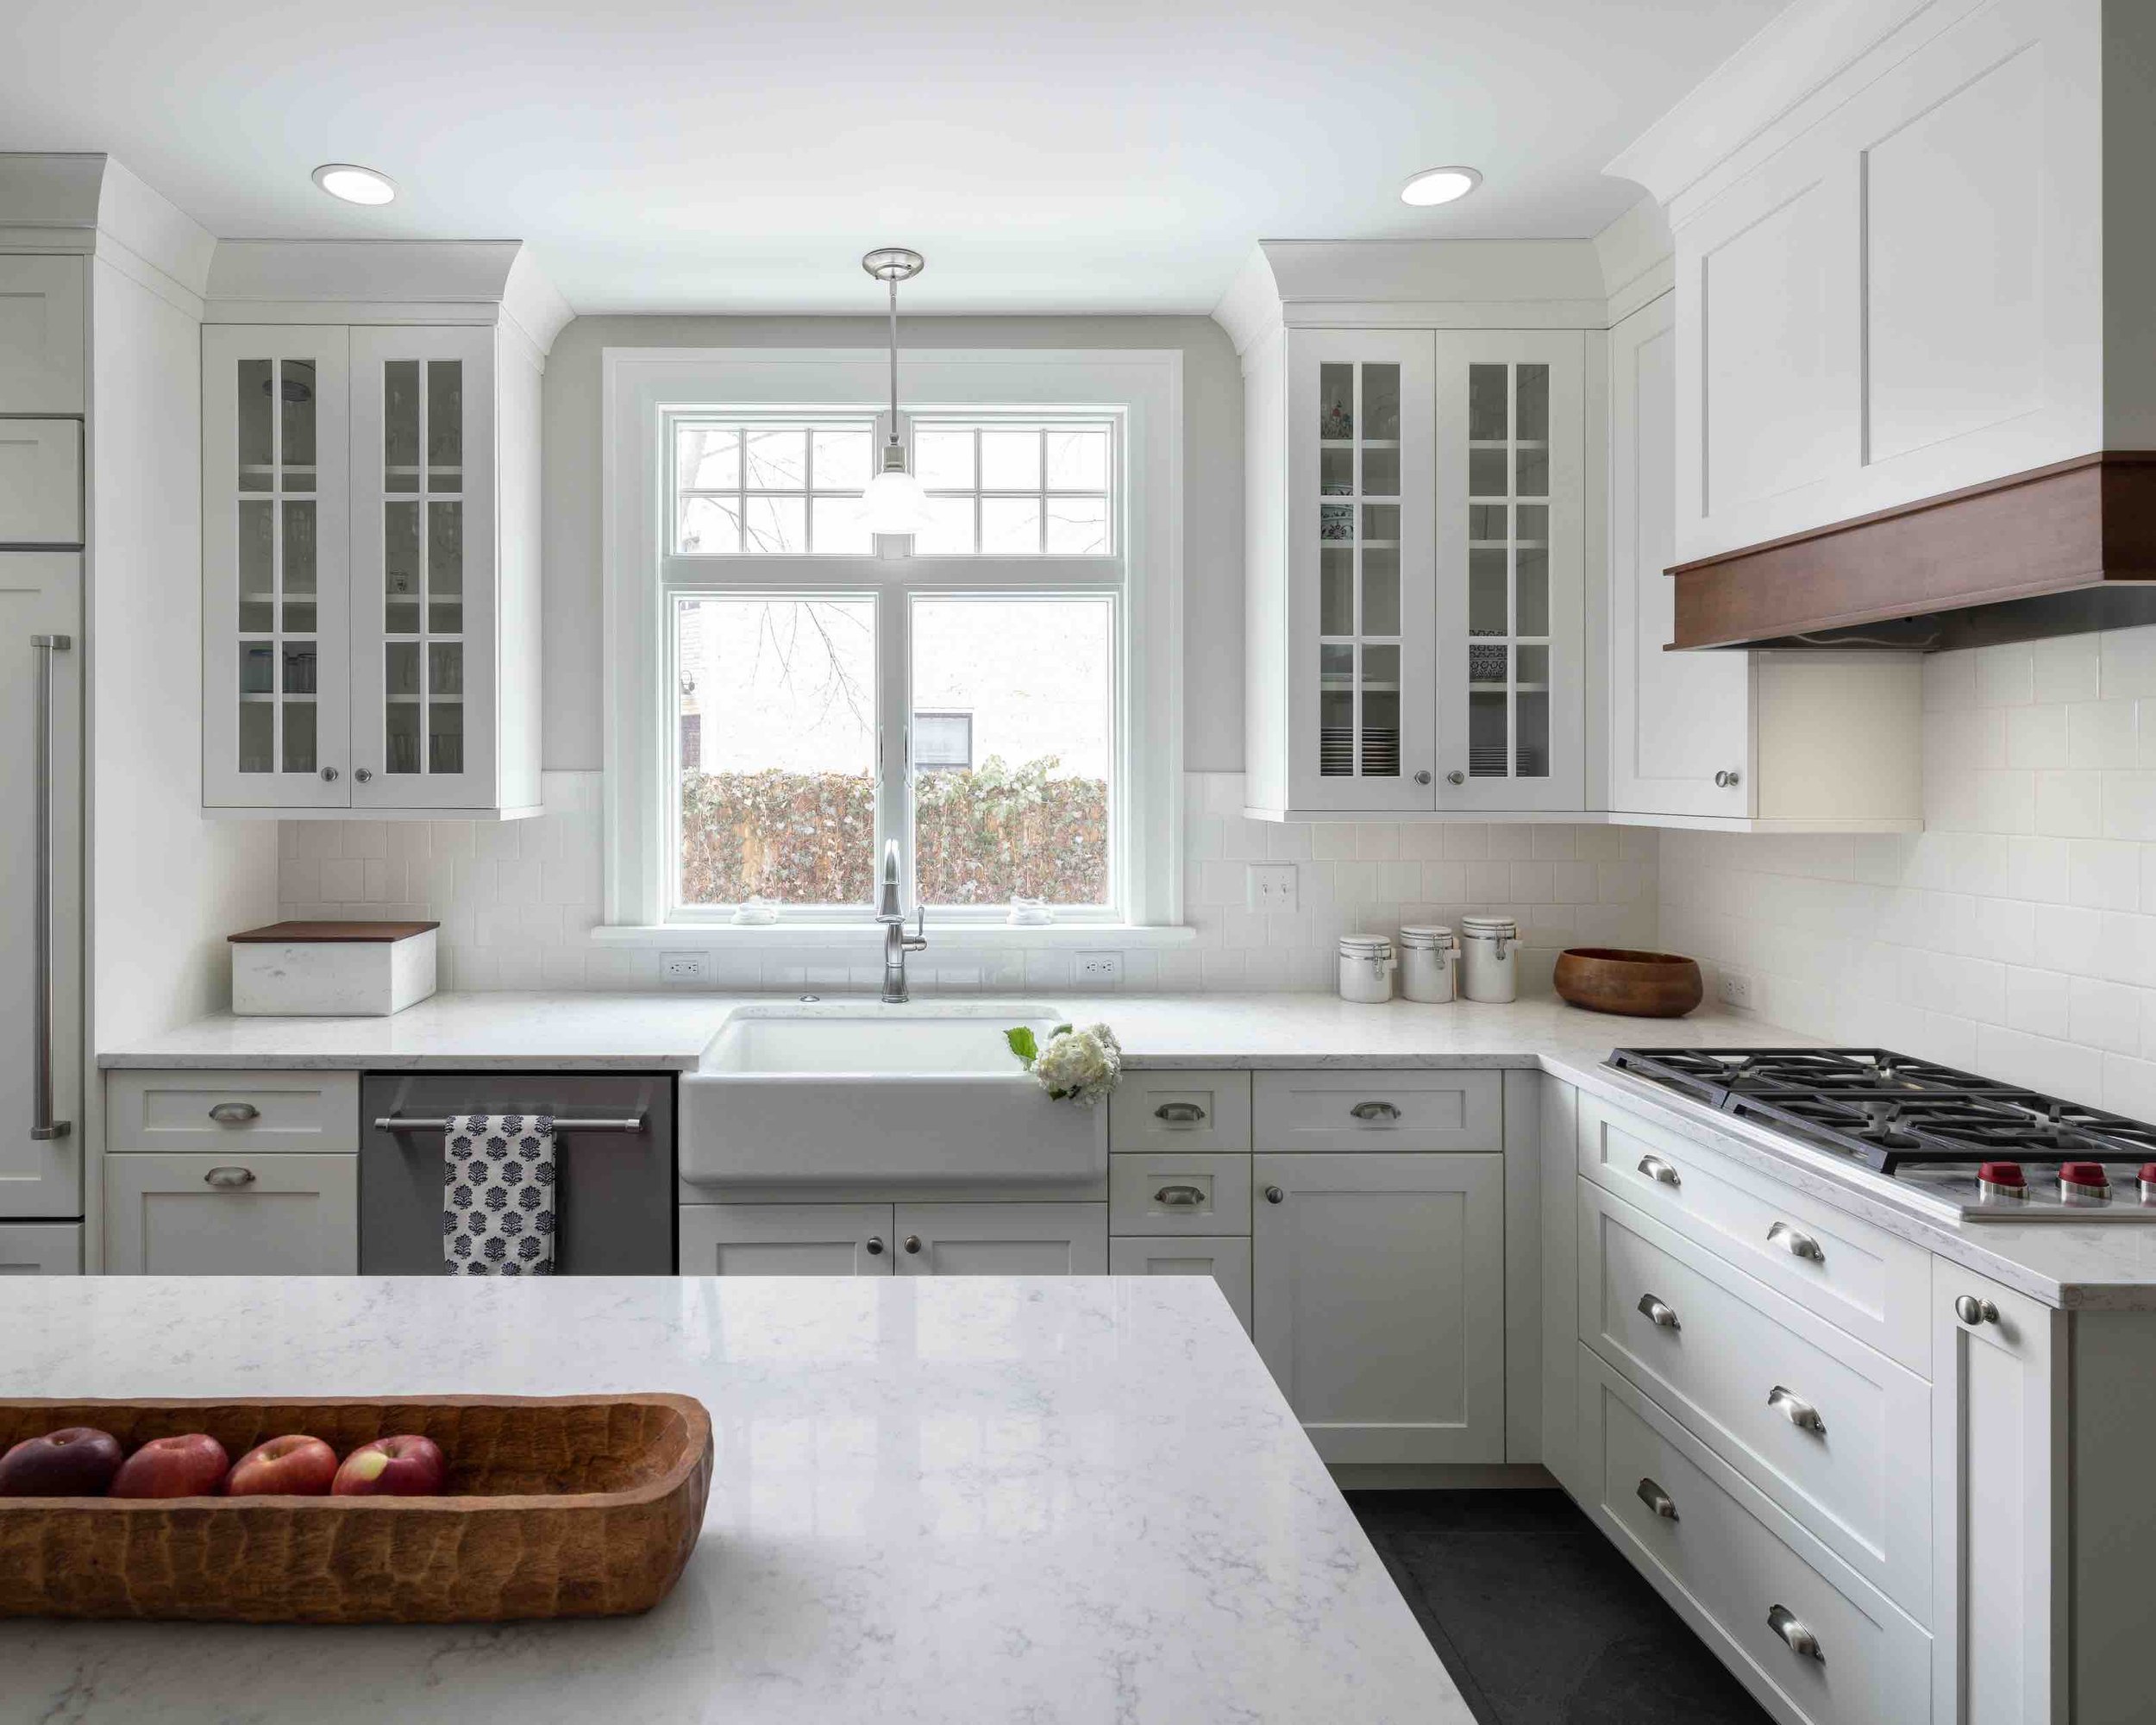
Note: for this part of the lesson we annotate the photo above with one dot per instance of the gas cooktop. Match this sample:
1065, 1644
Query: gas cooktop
1983, 1147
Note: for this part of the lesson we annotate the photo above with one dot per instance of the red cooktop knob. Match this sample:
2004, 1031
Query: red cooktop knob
2004, 1174
2082, 1173
2148, 1173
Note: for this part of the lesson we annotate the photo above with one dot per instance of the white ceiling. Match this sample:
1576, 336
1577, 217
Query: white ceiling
1077, 155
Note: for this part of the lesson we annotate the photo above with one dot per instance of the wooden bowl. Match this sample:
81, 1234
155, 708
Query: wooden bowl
564, 1506
1639, 985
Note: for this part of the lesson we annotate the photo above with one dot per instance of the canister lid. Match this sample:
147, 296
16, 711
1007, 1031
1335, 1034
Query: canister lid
1430, 935
1490, 924
1364, 946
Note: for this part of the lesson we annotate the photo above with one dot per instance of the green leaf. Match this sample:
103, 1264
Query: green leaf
1060, 1030
1022, 1044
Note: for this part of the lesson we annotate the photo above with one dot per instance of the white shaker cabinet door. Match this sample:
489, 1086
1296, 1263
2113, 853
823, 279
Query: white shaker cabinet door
44, 324
231, 1214
1002, 1240
40, 594
1378, 1300
41, 483
40, 1248
785, 1239
1680, 722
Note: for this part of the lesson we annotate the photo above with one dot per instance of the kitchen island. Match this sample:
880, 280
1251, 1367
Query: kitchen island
958, 1499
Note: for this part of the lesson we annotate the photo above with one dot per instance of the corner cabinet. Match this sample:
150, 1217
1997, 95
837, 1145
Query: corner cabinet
370, 571
1414, 588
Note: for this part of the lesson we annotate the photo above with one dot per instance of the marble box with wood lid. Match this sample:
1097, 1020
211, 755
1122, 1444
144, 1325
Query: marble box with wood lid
332, 970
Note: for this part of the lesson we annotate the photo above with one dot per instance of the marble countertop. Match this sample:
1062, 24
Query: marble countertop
667, 1032
962, 1498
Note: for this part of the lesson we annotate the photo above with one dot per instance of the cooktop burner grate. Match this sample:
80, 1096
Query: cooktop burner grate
1889, 1110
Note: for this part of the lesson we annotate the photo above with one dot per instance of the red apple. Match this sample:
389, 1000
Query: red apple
191, 1465
294, 1466
76, 1461
407, 1467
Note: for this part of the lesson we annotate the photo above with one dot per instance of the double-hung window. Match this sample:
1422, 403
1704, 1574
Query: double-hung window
965, 696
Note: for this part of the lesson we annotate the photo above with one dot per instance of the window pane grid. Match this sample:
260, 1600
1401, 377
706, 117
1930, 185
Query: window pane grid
1016, 488
746, 486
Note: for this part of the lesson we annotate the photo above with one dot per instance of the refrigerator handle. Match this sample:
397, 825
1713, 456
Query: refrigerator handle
42, 1125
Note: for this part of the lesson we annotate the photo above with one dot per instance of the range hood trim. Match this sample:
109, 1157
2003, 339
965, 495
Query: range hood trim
2074, 527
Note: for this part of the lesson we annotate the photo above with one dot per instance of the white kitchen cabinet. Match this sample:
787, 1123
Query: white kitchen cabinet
1801, 740
1001, 1239
40, 482
231, 1214
40, 1248
44, 334
1228, 1261
1902, 266
1378, 1300
370, 570
785, 1239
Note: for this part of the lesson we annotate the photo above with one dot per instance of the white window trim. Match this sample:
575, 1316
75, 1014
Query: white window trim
640, 384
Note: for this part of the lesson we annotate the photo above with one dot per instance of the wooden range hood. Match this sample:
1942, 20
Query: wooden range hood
2055, 551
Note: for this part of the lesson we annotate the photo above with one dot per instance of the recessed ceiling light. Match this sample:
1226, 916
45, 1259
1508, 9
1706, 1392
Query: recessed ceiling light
1440, 185
357, 185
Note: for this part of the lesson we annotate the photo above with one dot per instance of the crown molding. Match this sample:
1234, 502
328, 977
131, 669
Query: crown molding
87, 203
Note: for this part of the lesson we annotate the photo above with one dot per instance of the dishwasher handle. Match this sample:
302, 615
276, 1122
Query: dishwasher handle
400, 1123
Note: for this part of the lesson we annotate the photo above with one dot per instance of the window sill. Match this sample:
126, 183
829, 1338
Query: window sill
867, 937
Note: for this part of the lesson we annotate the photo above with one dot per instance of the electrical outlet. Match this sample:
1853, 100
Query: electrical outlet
1103, 969
681, 967
1734, 990
1272, 886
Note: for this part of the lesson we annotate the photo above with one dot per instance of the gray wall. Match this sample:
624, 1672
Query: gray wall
1212, 494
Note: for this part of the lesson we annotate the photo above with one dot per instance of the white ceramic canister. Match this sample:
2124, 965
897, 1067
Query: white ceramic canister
1366, 969
1429, 963
1489, 966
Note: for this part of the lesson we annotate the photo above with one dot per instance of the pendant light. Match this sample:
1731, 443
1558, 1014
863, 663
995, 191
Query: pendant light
894, 502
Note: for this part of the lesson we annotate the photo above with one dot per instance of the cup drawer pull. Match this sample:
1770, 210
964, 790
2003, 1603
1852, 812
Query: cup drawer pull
1656, 1169
228, 1179
1657, 1500
1657, 1312
1796, 1410
1795, 1242
234, 1114
1801, 1641
1375, 1111
1179, 1197
1180, 1114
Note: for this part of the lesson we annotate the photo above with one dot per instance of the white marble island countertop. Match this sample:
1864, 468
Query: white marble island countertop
667, 1032
961, 1499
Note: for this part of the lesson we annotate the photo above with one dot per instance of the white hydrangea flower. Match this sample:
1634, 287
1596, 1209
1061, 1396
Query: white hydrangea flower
1082, 1064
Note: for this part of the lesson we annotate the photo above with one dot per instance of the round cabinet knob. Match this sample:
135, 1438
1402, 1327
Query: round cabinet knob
874, 1247
1423, 777
1972, 1311
1274, 1195
912, 1242
1728, 780
1456, 777
329, 775
363, 775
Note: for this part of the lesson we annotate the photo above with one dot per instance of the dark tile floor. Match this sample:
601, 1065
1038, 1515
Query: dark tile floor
1538, 1618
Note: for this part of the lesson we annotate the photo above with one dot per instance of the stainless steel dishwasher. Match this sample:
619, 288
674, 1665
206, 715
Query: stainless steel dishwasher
614, 1165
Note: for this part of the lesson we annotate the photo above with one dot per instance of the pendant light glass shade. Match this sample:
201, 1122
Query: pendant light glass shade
895, 503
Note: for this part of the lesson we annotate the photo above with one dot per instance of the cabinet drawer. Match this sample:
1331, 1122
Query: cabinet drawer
40, 482
50, 1249
258, 1111
1162, 1192
1187, 1110
1851, 1273
1741, 1366
1226, 1261
232, 1213
1418, 1109
1731, 1563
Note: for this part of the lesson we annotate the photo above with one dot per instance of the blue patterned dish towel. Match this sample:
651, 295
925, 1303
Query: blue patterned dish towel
497, 1204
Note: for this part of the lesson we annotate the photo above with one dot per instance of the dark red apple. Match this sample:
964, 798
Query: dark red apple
76, 1461
190, 1465
409, 1466
294, 1466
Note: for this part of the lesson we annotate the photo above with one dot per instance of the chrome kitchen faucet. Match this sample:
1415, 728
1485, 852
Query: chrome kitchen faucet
897, 943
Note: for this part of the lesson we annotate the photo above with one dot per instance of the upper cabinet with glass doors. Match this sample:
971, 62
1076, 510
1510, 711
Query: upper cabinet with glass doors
1414, 542
370, 570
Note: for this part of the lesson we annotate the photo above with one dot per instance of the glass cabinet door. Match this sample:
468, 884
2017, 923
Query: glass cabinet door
1361, 518
1509, 510
422, 546
274, 568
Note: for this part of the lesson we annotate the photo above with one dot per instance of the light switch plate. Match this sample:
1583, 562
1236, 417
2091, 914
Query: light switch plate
1272, 886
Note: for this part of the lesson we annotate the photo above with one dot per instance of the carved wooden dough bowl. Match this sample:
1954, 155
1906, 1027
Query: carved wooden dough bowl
1640, 985
557, 1507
